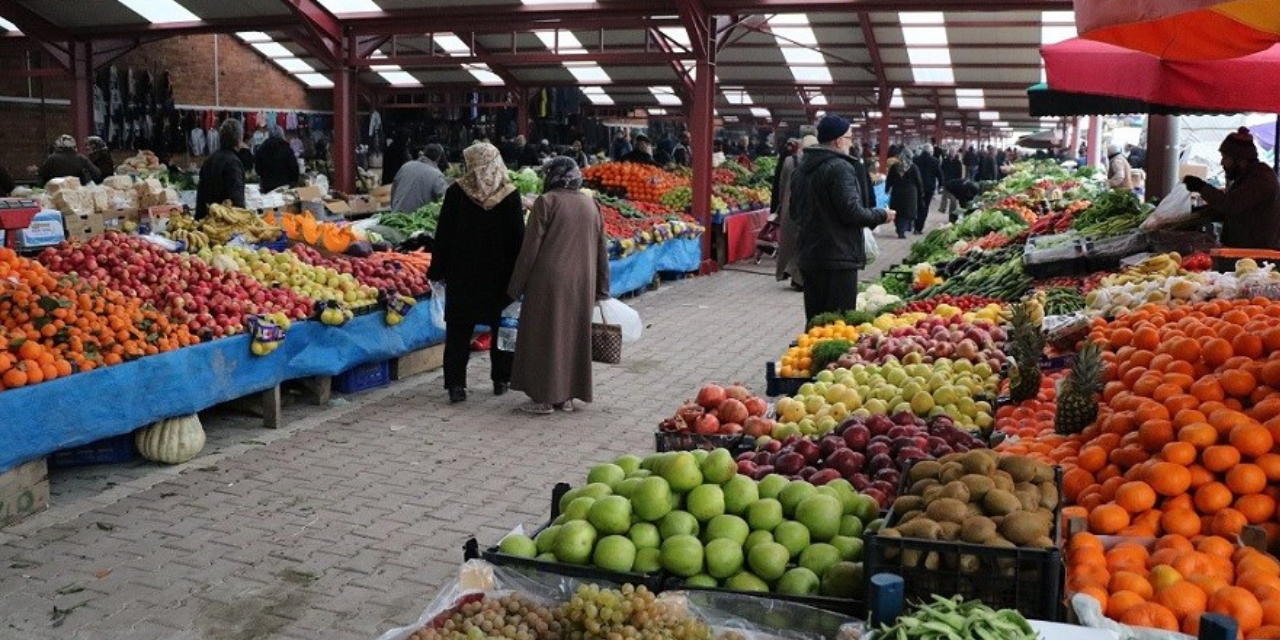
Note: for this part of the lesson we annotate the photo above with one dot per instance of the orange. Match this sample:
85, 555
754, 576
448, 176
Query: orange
1127, 556
1092, 458
1251, 440
1271, 368
1239, 604
1215, 546
1265, 632
1219, 458
1211, 498
1135, 497
1257, 508
1188, 416
1216, 351
1248, 345
1120, 602
1246, 479
1108, 519
1208, 389
1131, 581
1169, 479
1162, 576
1200, 476
1181, 521
1183, 598
1179, 453
1228, 522
1150, 614
1154, 434
1201, 435
1270, 465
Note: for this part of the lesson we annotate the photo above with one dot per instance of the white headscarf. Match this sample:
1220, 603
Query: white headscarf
486, 180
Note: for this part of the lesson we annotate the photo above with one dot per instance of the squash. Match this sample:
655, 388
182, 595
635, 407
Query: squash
310, 230
336, 239
171, 441
289, 222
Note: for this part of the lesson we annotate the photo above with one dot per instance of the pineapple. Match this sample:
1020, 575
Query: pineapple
1078, 401
1027, 344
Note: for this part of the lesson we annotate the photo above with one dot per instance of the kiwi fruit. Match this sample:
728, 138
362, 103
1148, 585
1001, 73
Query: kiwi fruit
1028, 494
1023, 527
999, 502
977, 462
909, 516
978, 485
919, 487
1048, 495
1044, 472
977, 529
969, 563
904, 504
955, 489
932, 493
923, 469
947, 510
1002, 481
1019, 468
951, 471
920, 528
948, 530
1043, 542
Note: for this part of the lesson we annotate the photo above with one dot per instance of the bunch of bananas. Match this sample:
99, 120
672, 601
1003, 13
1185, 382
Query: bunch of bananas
1164, 265
185, 229
1035, 306
224, 222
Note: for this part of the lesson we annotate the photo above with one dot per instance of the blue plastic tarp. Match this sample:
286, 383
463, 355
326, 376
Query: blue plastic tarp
683, 255
41, 419
637, 270
882, 196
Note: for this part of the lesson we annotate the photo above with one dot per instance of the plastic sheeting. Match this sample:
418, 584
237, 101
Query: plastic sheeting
636, 271
740, 231
86, 407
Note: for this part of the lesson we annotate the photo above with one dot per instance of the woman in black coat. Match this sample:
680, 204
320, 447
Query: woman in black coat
477, 241
905, 186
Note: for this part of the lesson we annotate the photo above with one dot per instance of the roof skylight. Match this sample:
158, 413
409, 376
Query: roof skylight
157, 11
451, 44
560, 41
677, 34
315, 80
970, 99
272, 49
897, 101
737, 96
657, 112
253, 36
760, 112
293, 65
988, 115
665, 95
925, 35
799, 45
921, 17
348, 6
588, 73
483, 73
597, 95
819, 100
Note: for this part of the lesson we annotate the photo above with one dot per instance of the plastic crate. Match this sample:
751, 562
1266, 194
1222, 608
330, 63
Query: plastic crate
776, 386
665, 441
590, 573
113, 450
279, 244
367, 376
846, 607
1029, 580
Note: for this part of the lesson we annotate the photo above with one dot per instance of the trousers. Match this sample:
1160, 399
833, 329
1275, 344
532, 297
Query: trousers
829, 290
457, 353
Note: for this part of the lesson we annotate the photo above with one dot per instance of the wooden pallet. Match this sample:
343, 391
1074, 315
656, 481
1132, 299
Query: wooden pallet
416, 362
24, 491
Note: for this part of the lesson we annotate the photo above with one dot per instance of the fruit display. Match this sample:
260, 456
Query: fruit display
945, 305
720, 410
511, 617
332, 237
692, 516
953, 618
286, 269
225, 222
869, 452
183, 228
931, 339
1026, 345
637, 182
980, 497
1160, 279
188, 290
381, 275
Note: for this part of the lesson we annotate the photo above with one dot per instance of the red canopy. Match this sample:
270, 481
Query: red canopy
1233, 85
1182, 29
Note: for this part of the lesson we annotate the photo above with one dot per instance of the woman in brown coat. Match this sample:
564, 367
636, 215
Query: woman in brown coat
562, 271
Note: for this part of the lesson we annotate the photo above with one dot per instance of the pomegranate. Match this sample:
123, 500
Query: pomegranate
707, 425
756, 426
756, 406
737, 392
689, 412
710, 396
732, 410
731, 428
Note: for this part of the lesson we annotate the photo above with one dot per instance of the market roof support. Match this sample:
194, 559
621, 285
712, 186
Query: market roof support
885, 118
344, 128
1075, 136
522, 111
1094, 147
81, 90
1162, 155
701, 135
34, 26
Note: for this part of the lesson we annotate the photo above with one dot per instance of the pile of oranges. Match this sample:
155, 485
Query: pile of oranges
798, 360
54, 326
641, 182
1168, 584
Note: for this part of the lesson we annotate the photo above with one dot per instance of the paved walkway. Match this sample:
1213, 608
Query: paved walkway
348, 521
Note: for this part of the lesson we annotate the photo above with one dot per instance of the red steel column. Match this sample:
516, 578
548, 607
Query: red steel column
884, 139
701, 135
81, 91
522, 112
344, 128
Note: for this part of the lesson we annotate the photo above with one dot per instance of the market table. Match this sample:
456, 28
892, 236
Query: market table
636, 271
111, 401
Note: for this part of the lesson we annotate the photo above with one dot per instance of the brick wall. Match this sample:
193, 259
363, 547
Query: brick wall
244, 79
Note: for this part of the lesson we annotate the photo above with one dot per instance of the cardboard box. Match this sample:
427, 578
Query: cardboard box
83, 227
362, 204
307, 194
155, 215
24, 491
337, 207
115, 220
382, 194
1197, 170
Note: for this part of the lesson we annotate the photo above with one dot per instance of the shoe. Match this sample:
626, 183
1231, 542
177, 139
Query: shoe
919, 233
902, 236
501, 388
537, 408
457, 394
566, 406
797, 287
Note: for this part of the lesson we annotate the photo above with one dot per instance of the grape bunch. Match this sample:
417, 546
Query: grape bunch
512, 617
632, 613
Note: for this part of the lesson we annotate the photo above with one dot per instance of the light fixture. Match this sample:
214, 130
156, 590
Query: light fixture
988, 115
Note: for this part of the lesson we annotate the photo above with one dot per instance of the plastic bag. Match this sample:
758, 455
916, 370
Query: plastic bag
617, 312
437, 304
508, 327
870, 246
1174, 211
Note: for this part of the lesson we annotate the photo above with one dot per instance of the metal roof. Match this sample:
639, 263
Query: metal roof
970, 61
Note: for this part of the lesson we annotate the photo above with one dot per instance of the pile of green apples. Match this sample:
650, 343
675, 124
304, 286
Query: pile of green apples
285, 269
693, 517
956, 388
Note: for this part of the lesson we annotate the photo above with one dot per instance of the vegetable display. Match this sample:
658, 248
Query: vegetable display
423, 220
951, 618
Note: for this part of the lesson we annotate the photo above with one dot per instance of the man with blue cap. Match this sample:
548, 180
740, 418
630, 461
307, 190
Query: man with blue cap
827, 201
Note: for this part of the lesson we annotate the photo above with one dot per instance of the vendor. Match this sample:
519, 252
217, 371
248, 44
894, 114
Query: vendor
64, 162
275, 163
419, 182
964, 191
642, 153
1249, 208
222, 174
1119, 173
100, 156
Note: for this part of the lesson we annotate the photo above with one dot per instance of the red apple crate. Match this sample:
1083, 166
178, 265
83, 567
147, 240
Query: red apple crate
584, 572
665, 441
1034, 588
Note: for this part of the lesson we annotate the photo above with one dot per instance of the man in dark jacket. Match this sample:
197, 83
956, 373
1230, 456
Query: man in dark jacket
100, 156
827, 202
930, 178
682, 154
1249, 209
971, 161
275, 162
642, 153
64, 162
988, 170
952, 170
222, 174
864, 179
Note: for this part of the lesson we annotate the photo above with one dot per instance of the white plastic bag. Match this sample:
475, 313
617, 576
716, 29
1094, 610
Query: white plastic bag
1173, 211
870, 246
437, 304
617, 312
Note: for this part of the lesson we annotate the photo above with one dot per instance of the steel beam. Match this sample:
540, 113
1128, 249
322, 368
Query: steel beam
696, 20
527, 59
49, 36
343, 152
684, 88
632, 14
496, 66
81, 90
701, 136
873, 49
323, 33
821, 6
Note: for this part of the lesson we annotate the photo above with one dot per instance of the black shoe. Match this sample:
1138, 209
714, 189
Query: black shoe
919, 233
797, 287
457, 394
500, 388
902, 236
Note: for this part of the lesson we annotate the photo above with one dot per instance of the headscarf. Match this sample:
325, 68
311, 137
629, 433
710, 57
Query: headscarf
486, 181
274, 131
65, 143
561, 172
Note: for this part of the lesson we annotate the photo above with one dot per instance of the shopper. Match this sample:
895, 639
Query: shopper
1119, 173
222, 174
100, 156
788, 255
862, 167
930, 177
827, 202
64, 162
477, 239
988, 170
905, 185
244, 154
775, 198
419, 182
562, 272
7, 185
1249, 208
963, 191
395, 155
642, 153
275, 163
579, 155
952, 169
971, 161
682, 154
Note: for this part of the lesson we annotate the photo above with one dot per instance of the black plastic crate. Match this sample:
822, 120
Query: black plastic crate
776, 386
113, 450
1071, 267
1029, 580
586, 572
850, 608
665, 441
370, 375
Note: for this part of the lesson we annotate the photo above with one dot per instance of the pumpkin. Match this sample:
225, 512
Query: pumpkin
310, 229
171, 441
290, 225
336, 239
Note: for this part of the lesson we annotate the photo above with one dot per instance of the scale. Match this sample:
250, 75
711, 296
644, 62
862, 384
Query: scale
16, 214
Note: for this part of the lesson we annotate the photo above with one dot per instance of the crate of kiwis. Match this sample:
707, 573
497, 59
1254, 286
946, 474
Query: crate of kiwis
981, 525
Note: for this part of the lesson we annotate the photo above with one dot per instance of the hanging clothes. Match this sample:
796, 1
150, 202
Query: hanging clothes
197, 147
115, 111
291, 121
99, 112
